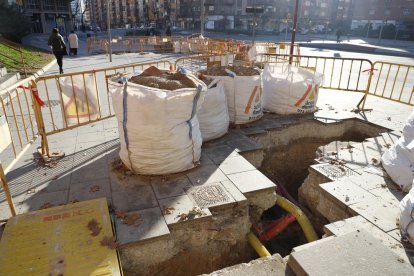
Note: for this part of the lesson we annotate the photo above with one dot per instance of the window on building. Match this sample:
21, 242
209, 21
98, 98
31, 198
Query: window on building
307, 3
211, 8
387, 12
406, 11
371, 12
48, 5
305, 12
62, 5
32, 4
322, 14
323, 5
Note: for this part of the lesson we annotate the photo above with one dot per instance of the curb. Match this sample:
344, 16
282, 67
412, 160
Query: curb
44, 69
356, 48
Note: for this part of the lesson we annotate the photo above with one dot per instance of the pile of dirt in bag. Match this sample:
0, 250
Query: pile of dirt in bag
156, 78
239, 70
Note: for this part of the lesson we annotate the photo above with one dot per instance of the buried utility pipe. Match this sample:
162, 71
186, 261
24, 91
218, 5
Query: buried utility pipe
301, 218
277, 227
257, 245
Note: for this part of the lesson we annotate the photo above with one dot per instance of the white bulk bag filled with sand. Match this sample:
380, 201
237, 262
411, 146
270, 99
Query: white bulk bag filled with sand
213, 114
244, 96
159, 130
398, 163
290, 90
80, 100
407, 217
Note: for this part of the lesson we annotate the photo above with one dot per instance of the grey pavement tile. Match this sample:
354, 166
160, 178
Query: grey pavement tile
89, 173
5, 212
91, 128
244, 144
134, 198
369, 181
206, 174
168, 186
91, 146
91, 137
42, 200
120, 180
210, 195
346, 192
379, 212
354, 251
90, 190
219, 153
57, 183
235, 164
176, 206
150, 225
251, 181
18, 192
235, 193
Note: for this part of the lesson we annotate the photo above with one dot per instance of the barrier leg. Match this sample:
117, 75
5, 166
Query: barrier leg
6, 190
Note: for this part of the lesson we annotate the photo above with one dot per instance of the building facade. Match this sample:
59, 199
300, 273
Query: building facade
46, 14
134, 13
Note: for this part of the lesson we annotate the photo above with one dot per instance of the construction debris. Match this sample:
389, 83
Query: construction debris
238, 70
153, 77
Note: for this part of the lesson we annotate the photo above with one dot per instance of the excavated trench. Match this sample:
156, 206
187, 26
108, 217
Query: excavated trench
287, 154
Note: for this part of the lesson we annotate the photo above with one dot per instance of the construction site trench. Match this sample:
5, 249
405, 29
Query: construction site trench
287, 154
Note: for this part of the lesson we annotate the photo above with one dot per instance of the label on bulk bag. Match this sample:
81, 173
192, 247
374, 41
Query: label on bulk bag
307, 102
254, 106
80, 102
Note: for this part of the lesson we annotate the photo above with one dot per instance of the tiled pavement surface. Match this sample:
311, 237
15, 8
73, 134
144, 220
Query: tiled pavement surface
86, 171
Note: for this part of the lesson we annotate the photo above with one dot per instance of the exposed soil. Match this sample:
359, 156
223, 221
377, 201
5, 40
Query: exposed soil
153, 77
239, 70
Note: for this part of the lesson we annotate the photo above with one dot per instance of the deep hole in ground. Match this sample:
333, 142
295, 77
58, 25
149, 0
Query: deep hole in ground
288, 153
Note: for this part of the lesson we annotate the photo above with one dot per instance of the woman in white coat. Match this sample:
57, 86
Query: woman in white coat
73, 44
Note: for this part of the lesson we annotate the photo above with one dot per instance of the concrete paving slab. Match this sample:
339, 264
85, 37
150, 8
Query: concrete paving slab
350, 254
89, 173
359, 223
369, 181
90, 190
150, 225
251, 181
57, 183
169, 186
206, 174
334, 172
38, 201
244, 144
5, 213
177, 209
120, 180
235, 193
272, 265
210, 195
378, 212
345, 192
134, 198
220, 152
237, 164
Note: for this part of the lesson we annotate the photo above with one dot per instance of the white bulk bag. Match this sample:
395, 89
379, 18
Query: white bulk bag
407, 217
408, 130
80, 100
290, 91
177, 47
244, 97
213, 114
159, 130
398, 162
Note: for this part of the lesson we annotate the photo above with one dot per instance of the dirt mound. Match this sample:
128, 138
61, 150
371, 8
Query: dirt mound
153, 77
239, 70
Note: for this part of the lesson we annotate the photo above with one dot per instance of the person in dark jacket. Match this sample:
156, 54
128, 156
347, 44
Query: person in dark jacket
58, 47
168, 31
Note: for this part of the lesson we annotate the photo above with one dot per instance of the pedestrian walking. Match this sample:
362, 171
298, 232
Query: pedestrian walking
73, 43
58, 46
168, 31
338, 35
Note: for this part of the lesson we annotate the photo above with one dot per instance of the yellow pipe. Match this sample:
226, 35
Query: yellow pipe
301, 218
257, 245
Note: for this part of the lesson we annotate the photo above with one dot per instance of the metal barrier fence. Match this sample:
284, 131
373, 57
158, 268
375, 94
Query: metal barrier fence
393, 81
187, 45
339, 73
81, 98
